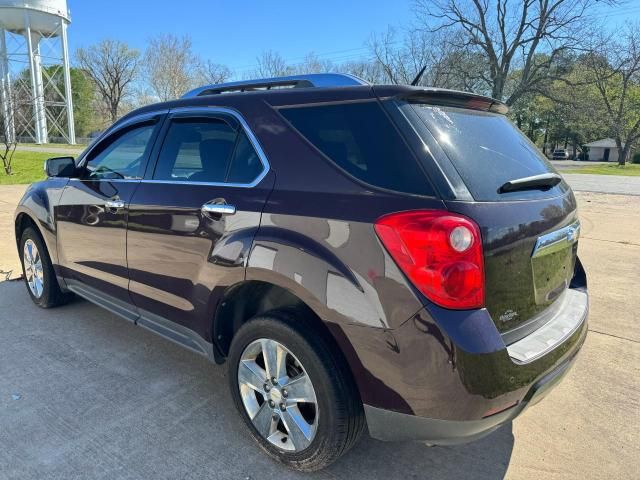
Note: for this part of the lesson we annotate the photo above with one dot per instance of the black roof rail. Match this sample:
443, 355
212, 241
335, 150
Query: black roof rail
294, 81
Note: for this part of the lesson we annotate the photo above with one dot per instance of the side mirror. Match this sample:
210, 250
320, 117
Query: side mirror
60, 167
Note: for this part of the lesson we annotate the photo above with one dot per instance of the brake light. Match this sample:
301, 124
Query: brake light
440, 252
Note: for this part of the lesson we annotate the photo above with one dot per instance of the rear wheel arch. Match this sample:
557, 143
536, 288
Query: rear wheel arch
254, 298
250, 299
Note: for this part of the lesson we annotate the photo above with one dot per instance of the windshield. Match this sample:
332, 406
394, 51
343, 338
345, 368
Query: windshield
486, 149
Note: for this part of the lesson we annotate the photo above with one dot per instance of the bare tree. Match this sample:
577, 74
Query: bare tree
7, 148
112, 66
368, 70
402, 56
211, 72
391, 57
613, 66
8, 139
520, 41
312, 63
170, 66
271, 64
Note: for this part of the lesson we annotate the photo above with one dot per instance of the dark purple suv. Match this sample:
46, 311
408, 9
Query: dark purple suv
393, 257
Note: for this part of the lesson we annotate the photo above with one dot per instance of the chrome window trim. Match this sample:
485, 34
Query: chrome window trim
247, 130
266, 166
211, 184
106, 180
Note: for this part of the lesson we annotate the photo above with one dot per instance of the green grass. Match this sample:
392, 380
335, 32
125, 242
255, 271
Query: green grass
629, 170
27, 168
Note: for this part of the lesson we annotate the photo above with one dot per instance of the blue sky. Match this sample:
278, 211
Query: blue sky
235, 33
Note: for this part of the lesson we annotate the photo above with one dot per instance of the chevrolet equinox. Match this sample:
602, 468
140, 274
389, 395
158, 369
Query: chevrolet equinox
401, 259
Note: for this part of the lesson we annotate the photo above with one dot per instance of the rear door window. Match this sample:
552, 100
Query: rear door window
486, 149
196, 150
361, 140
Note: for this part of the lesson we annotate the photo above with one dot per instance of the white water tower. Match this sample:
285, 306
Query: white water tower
35, 86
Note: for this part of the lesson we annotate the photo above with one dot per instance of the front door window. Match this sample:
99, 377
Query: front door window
122, 158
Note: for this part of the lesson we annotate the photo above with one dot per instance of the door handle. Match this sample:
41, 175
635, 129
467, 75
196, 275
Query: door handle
114, 204
218, 208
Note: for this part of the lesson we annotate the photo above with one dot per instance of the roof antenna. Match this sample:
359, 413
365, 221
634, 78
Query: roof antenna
418, 77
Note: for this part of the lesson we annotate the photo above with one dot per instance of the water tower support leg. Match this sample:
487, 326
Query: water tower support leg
33, 43
67, 85
6, 97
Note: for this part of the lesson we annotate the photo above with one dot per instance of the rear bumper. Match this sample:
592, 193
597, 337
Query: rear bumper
482, 382
392, 426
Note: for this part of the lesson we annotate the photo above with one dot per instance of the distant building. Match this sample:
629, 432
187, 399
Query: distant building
604, 150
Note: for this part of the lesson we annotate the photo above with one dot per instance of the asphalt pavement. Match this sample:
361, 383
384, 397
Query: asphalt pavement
603, 183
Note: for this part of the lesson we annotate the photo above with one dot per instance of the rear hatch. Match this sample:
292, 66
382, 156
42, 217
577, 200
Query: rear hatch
529, 228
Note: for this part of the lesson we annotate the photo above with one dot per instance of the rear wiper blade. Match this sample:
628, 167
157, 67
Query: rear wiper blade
543, 181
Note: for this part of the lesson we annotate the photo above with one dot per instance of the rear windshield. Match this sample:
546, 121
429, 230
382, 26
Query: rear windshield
485, 148
360, 139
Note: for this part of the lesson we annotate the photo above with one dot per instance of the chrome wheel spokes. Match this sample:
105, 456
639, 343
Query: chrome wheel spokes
278, 395
33, 268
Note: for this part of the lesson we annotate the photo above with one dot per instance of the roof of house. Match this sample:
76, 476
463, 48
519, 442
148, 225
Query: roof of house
604, 143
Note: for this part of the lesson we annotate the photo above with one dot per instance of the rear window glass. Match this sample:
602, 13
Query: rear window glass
486, 149
361, 140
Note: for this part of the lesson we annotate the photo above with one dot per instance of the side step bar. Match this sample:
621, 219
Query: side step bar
173, 332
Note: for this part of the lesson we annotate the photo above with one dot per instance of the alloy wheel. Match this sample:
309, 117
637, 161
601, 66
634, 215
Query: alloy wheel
278, 395
33, 268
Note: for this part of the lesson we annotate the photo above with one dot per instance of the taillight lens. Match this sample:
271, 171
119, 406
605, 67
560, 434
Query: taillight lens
440, 252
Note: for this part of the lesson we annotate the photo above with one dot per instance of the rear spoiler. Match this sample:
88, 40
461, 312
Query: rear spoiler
444, 97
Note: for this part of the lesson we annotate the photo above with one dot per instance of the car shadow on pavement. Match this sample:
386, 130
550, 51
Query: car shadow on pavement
85, 394
487, 458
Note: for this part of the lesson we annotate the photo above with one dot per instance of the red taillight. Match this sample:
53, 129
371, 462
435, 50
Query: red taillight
440, 252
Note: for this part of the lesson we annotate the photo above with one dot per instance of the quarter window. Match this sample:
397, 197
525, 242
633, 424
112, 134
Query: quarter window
360, 139
246, 165
124, 157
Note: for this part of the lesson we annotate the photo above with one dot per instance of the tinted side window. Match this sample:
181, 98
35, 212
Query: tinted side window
196, 150
246, 165
360, 139
124, 157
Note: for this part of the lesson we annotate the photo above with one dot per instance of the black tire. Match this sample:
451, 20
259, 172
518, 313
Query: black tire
341, 418
52, 295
